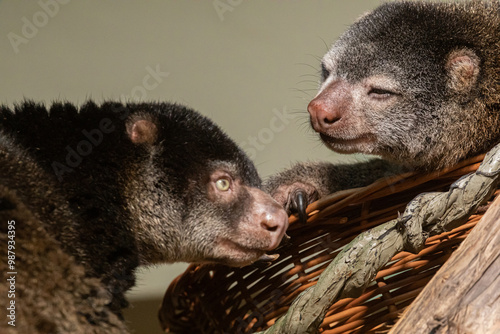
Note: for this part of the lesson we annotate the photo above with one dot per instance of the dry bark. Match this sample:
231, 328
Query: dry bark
428, 214
464, 295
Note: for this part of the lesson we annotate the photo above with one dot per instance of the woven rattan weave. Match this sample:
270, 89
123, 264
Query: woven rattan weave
219, 299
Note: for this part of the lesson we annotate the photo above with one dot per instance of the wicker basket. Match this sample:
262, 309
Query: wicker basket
219, 299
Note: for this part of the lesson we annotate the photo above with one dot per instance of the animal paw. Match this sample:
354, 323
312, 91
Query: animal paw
296, 197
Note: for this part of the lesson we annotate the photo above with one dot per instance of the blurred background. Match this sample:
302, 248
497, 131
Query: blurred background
251, 66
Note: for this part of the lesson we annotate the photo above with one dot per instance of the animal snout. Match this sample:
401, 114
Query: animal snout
275, 222
330, 106
322, 115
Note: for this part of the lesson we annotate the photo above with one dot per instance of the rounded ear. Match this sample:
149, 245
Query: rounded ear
463, 67
142, 131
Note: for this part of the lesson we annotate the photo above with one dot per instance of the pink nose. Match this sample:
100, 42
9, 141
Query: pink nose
275, 222
330, 106
323, 116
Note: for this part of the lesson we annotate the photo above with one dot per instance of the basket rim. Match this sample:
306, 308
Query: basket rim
335, 203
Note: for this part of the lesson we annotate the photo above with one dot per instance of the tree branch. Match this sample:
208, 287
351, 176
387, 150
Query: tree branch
358, 263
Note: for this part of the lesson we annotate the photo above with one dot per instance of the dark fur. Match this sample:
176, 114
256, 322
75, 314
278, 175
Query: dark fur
440, 66
143, 193
53, 292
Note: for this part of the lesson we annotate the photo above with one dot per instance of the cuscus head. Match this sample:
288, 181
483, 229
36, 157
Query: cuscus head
402, 80
195, 193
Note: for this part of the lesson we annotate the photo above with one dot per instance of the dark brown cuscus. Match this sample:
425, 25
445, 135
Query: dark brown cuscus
51, 291
112, 187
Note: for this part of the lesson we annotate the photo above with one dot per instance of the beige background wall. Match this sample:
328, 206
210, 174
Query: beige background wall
252, 66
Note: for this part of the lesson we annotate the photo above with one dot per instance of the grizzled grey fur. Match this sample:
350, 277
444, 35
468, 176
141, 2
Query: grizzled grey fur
416, 83
97, 191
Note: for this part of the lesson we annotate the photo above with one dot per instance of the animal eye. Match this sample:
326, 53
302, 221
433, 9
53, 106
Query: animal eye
325, 73
380, 93
222, 184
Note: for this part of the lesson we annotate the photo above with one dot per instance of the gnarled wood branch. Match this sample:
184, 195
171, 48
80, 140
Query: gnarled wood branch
358, 263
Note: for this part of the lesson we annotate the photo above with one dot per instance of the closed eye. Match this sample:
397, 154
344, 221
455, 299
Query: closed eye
380, 93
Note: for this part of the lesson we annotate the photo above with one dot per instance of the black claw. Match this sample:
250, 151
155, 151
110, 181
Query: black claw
266, 260
268, 257
299, 204
285, 240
